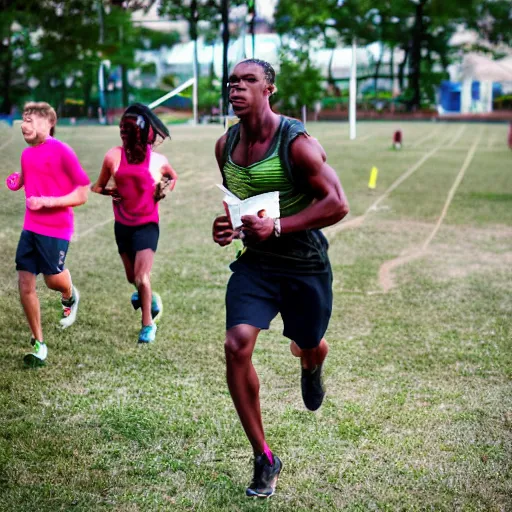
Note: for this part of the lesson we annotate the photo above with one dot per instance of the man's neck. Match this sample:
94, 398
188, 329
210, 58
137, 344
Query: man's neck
259, 126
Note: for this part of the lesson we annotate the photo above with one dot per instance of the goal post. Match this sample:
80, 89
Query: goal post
190, 82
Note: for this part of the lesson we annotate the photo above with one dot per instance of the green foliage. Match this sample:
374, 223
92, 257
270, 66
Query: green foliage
60, 46
208, 94
299, 82
493, 20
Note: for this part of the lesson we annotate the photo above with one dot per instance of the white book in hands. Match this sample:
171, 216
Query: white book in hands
263, 205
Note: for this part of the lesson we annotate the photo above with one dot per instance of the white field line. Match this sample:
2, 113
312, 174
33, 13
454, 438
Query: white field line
385, 272
458, 135
357, 221
78, 236
424, 139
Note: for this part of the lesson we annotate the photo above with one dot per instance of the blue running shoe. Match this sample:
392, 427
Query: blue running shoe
135, 300
156, 305
147, 333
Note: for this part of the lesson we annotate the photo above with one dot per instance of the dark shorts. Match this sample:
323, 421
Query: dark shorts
304, 301
40, 254
132, 239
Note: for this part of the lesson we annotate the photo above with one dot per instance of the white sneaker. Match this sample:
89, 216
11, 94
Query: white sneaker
69, 313
38, 357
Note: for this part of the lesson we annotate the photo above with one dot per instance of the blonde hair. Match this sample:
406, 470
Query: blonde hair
43, 109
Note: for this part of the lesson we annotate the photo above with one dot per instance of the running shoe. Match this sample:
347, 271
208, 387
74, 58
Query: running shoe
265, 477
38, 356
147, 333
70, 309
312, 385
156, 304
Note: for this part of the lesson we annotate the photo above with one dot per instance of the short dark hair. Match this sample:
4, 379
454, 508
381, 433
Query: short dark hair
268, 70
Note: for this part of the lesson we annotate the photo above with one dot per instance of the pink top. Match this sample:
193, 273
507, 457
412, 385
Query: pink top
136, 186
51, 169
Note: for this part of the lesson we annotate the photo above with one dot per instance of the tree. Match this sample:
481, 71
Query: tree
57, 47
194, 11
493, 21
299, 82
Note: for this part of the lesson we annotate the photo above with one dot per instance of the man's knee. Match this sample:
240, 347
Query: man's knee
238, 346
142, 279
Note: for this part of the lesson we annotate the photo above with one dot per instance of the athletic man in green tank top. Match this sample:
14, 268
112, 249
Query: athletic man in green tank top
284, 267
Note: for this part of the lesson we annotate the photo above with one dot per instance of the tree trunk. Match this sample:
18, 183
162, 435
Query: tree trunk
377, 69
225, 42
415, 65
330, 77
125, 87
6, 106
401, 69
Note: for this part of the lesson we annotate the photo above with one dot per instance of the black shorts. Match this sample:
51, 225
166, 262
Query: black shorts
304, 301
132, 239
40, 254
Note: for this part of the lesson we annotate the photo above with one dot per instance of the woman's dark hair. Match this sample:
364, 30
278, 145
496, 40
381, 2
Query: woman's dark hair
139, 127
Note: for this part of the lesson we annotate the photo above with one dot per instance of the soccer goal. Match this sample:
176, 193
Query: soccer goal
191, 82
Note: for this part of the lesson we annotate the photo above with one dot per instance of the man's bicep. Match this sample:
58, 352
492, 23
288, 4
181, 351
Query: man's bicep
220, 146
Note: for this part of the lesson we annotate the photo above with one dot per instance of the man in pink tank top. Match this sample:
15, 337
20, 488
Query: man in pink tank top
142, 177
54, 183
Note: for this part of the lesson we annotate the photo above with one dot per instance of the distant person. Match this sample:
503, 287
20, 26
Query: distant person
284, 267
54, 182
142, 177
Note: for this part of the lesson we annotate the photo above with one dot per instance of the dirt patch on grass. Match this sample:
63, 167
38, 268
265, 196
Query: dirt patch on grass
456, 252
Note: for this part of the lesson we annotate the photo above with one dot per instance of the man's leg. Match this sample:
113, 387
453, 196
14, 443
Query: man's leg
312, 357
30, 302
244, 387
306, 309
243, 382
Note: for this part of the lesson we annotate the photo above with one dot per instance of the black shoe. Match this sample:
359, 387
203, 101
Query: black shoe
312, 385
265, 477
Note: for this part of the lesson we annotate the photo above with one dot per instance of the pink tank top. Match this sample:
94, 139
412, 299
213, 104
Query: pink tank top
136, 187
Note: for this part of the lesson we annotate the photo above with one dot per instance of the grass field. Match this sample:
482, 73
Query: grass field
418, 414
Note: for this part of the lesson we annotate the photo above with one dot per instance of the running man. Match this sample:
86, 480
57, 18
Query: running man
54, 183
142, 177
284, 267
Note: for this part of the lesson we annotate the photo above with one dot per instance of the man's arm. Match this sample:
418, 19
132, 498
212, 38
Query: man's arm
329, 205
222, 230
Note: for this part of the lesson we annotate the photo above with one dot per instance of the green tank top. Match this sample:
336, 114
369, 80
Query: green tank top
267, 175
302, 252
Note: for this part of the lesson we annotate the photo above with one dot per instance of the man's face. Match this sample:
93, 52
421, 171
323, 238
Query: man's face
35, 128
248, 88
